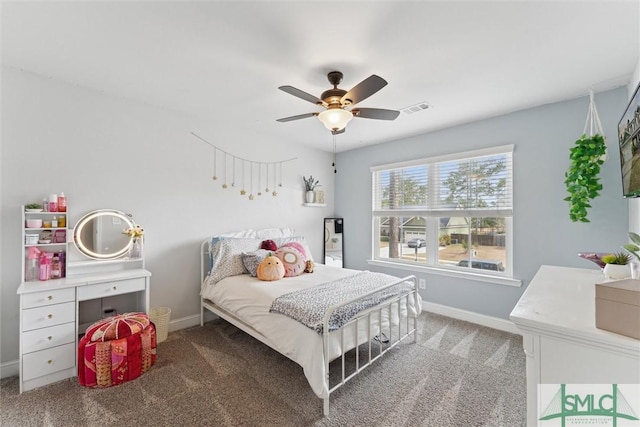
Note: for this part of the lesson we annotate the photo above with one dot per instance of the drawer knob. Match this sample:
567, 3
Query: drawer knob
50, 297
49, 337
115, 288
49, 361
50, 316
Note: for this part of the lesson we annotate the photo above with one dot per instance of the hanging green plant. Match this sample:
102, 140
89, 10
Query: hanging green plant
582, 180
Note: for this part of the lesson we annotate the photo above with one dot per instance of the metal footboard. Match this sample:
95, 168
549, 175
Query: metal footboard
373, 336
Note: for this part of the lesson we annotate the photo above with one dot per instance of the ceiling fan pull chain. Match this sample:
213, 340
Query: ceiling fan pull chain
335, 170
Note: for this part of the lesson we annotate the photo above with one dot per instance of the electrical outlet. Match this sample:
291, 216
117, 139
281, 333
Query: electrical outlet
422, 284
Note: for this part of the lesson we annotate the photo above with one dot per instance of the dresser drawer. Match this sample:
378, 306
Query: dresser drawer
40, 339
49, 315
107, 289
38, 299
48, 361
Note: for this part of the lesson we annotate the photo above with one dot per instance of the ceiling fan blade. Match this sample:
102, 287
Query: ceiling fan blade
375, 113
298, 117
364, 89
301, 94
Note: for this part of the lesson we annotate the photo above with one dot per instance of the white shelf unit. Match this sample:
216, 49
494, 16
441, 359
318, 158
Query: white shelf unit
44, 247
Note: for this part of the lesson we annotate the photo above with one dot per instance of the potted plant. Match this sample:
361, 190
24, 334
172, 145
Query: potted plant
633, 248
33, 207
616, 265
582, 180
309, 185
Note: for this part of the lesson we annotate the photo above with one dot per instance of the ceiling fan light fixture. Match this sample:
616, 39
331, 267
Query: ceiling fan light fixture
335, 118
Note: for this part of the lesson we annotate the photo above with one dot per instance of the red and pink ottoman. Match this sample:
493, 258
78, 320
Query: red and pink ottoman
116, 350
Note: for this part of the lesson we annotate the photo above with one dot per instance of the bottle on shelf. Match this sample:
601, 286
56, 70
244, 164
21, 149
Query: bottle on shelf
53, 203
54, 222
62, 221
62, 257
62, 203
45, 205
32, 268
45, 267
55, 267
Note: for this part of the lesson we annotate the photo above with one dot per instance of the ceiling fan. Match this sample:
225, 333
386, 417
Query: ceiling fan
336, 101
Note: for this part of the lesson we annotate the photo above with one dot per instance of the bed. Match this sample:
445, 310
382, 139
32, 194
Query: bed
388, 311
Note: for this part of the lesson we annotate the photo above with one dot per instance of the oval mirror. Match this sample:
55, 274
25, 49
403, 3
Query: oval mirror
99, 234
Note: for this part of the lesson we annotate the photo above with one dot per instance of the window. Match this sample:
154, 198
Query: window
450, 212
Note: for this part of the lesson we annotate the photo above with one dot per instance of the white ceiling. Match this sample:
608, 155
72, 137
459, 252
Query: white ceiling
224, 61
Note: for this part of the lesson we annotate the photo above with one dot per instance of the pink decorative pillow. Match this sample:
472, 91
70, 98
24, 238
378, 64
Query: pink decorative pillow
269, 245
297, 246
294, 262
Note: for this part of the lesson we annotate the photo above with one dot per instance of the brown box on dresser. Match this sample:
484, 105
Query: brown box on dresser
618, 307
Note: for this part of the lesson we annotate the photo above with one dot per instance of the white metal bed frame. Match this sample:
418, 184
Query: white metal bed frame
372, 313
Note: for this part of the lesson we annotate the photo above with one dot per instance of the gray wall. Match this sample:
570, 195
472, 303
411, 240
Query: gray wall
109, 152
543, 233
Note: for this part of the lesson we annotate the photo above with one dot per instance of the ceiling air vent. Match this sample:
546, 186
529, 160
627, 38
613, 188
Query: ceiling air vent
415, 108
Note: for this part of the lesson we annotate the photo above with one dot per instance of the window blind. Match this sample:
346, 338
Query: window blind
471, 184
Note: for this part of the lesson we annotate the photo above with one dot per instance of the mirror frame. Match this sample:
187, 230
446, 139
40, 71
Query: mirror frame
327, 233
86, 219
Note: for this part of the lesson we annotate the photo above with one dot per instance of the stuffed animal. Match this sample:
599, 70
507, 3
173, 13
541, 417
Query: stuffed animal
270, 268
269, 245
309, 268
294, 262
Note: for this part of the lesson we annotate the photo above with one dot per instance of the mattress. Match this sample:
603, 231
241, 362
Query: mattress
249, 299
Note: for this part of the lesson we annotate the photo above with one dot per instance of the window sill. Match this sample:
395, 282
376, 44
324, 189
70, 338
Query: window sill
499, 280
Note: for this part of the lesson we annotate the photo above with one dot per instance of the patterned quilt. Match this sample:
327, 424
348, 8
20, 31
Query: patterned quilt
309, 306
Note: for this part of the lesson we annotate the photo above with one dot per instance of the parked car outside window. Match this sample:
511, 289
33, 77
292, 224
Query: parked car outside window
416, 243
483, 264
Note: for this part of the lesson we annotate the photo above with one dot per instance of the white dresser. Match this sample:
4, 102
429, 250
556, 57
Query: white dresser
556, 315
49, 319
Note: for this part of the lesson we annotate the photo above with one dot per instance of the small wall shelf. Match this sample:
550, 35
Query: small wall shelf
315, 205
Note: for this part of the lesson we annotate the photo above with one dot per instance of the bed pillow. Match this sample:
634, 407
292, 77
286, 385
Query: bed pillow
272, 233
251, 260
294, 262
226, 255
282, 241
242, 234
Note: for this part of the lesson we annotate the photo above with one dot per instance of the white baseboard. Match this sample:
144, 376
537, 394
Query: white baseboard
9, 369
189, 321
470, 316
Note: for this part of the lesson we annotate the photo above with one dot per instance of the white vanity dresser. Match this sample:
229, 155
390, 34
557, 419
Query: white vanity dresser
50, 311
556, 315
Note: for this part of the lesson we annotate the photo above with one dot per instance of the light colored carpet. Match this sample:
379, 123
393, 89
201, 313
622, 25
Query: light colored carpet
457, 374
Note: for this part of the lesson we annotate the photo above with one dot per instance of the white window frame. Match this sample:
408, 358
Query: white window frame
432, 225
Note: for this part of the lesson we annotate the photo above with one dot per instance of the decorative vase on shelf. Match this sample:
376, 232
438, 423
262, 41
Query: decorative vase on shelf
135, 250
617, 271
310, 196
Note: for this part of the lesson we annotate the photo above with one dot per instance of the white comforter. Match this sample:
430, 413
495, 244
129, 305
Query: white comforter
249, 299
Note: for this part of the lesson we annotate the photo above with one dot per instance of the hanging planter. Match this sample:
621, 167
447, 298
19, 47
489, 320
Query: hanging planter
587, 155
